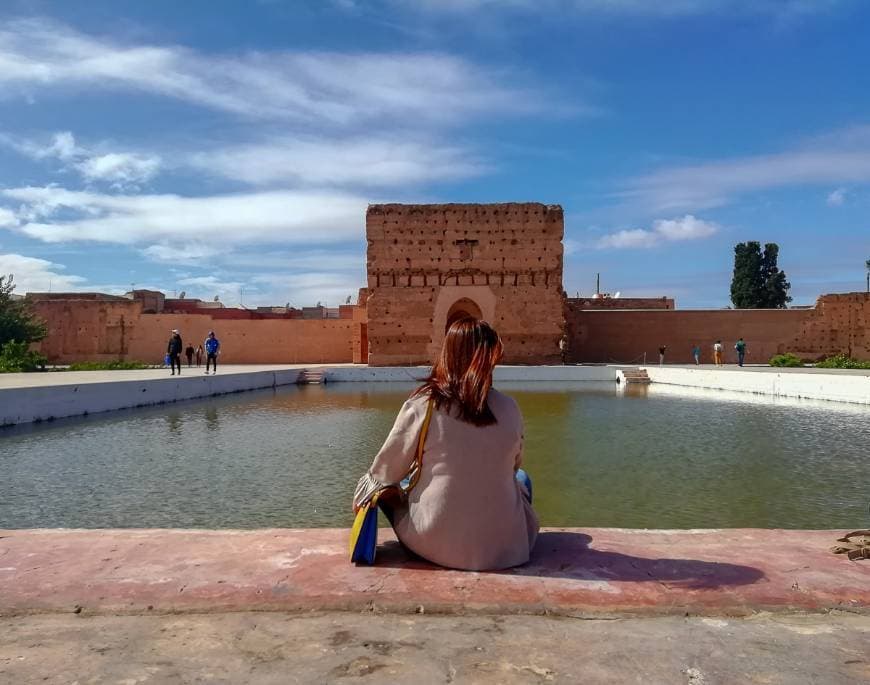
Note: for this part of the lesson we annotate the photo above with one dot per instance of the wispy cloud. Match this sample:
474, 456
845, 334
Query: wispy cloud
120, 170
192, 252
7, 218
313, 87
662, 231
327, 287
837, 198
54, 214
32, 274
371, 161
843, 157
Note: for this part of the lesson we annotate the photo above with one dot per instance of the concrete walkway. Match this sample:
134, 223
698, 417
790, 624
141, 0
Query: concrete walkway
30, 397
588, 572
278, 648
63, 378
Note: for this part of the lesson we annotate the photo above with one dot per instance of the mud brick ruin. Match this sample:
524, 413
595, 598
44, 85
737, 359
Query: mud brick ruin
431, 264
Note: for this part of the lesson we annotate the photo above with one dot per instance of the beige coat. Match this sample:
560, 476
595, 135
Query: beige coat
468, 510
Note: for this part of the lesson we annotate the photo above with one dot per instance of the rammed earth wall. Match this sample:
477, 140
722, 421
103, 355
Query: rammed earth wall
429, 264
97, 330
837, 324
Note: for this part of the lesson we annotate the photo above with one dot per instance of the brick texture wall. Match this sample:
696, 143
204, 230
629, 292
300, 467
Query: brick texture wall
499, 261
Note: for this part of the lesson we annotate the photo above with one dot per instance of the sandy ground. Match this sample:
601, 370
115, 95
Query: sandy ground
371, 648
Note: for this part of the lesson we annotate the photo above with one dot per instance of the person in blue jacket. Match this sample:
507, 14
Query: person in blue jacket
212, 347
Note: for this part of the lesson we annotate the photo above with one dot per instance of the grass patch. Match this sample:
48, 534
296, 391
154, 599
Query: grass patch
788, 360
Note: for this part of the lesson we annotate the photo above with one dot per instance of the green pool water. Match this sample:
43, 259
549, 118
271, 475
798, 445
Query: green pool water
290, 458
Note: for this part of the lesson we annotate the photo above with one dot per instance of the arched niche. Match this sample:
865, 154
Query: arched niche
463, 308
473, 300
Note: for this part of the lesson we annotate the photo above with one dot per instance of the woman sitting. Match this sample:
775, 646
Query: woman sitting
471, 508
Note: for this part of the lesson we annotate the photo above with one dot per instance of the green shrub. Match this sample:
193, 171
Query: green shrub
17, 356
115, 365
841, 361
787, 359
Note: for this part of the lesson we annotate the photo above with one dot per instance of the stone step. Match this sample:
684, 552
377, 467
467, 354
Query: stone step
309, 377
636, 376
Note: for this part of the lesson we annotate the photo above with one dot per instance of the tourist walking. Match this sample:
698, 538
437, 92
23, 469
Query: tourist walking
212, 349
471, 508
198, 356
188, 352
662, 351
696, 354
173, 350
563, 348
740, 346
717, 353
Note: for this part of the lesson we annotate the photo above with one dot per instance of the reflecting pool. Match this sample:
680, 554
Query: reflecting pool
290, 457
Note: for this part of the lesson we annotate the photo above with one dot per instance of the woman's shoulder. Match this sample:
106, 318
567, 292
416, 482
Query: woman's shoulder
416, 403
503, 405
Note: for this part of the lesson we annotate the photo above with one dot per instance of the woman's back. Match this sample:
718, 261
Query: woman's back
467, 510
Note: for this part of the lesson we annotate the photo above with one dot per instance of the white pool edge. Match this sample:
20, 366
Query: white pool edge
854, 389
20, 405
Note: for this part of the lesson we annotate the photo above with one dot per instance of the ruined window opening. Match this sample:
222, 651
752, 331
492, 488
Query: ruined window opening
466, 248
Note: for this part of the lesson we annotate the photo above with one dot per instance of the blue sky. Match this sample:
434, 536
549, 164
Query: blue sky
231, 148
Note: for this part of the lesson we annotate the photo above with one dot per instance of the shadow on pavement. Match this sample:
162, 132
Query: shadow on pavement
568, 555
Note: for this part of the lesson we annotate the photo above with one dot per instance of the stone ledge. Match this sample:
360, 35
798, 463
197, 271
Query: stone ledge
594, 572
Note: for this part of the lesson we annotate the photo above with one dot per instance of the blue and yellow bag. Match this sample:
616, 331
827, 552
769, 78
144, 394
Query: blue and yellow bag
364, 532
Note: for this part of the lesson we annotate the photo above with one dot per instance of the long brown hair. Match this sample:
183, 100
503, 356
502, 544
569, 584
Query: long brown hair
462, 374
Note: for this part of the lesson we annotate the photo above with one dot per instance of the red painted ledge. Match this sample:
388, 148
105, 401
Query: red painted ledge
590, 571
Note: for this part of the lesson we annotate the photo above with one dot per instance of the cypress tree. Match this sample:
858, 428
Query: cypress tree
775, 287
757, 282
746, 281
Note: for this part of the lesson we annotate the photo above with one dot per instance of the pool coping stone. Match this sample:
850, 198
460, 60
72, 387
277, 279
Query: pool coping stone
595, 572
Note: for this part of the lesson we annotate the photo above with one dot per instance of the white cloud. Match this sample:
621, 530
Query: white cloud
37, 275
843, 157
298, 259
628, 238
327, 287
183, 252
55, 214
663, 230
836, 198
63, 147
207, 287
121, 170
686, 228
313, 87
7, 218
373, 161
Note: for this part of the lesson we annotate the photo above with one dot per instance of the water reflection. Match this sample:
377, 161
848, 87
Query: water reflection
290, 457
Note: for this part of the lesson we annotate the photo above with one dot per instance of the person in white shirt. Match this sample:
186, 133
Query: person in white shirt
717, 353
